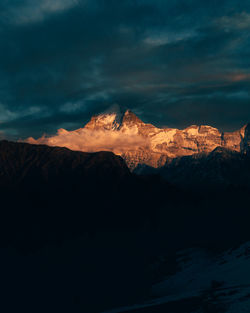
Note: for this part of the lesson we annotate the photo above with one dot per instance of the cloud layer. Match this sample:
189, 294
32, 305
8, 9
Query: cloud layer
172, 62
93, 141
33, 11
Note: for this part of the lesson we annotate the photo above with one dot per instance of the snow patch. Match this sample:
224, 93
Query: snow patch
163, 137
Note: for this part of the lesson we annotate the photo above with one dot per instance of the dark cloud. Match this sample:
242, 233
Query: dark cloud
173, 62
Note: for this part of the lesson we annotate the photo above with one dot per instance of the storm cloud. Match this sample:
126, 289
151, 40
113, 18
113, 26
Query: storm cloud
174, 63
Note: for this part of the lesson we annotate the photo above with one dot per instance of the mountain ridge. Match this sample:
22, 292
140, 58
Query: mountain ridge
146, 143
220, 169
18, 159
169, 143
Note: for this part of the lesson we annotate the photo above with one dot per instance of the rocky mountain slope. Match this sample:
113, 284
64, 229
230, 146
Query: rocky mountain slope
56, 189
165, 143
141, 143
170, 143
221, 168
22, 162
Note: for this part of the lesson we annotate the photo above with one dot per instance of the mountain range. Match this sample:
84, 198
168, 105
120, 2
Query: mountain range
142, 143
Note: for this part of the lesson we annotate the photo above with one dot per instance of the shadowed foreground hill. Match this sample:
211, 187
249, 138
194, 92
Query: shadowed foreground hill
73, 229
21, 163
80, 233
58, 190
218, 170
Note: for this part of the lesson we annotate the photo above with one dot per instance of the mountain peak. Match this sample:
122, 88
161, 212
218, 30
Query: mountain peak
142, 143
104, 121
247, 128
113, 119
130, 118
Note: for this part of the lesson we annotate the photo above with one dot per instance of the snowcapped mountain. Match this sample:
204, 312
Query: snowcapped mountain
103, 121
142, 143
167, 143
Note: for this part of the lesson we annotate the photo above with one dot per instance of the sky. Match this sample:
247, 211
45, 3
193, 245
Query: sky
174, 63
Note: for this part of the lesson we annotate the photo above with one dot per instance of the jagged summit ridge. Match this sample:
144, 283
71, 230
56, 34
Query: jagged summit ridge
113, 121
130, 118
170, 143
103, 121
137, 142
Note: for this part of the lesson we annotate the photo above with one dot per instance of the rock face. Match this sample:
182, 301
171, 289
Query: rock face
169, 143
221, 168
104, 121
141, 143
